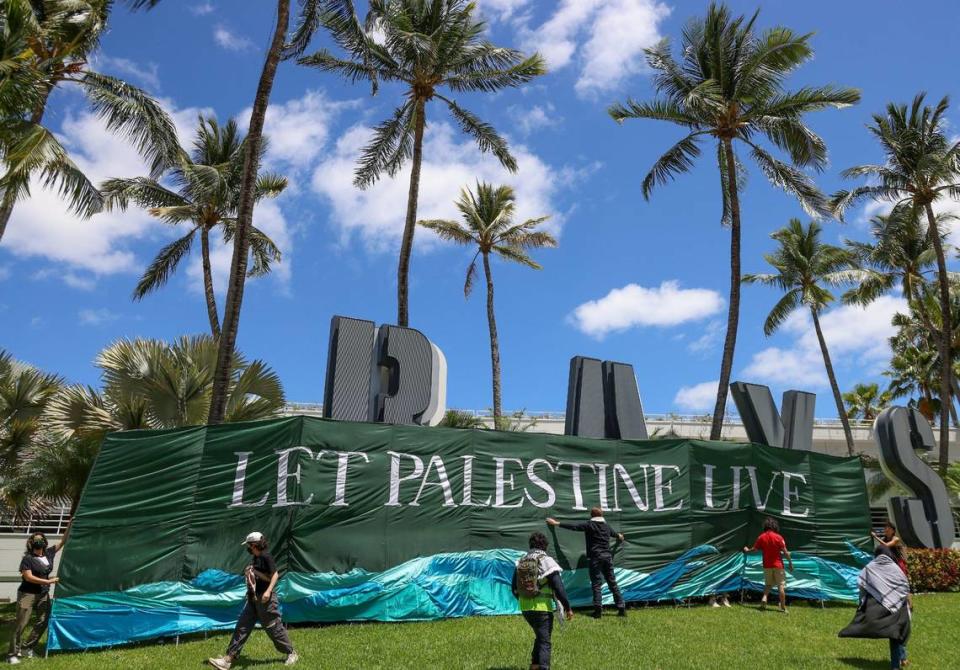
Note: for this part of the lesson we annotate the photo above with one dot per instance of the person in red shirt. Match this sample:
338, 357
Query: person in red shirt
774, 547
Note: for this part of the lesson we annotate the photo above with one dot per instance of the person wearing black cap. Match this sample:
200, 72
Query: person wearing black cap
261, 605
33, 594
598, 534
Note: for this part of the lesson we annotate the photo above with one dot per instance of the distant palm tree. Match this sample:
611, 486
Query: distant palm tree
207, 198
728, 87
152, 384
804, 265
24, 394
921, 166
59, 38
455, 418
865, 401
424, 45
488, 224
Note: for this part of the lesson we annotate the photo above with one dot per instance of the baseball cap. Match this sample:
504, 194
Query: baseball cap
253, 537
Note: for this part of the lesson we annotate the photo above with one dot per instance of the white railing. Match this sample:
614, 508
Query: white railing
53, 521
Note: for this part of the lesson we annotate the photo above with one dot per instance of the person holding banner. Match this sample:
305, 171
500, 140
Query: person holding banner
598, 533
261, 578
774, 548
33, 594
536, 584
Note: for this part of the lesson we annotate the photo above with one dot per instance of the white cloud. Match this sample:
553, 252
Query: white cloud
202, 9
634, 305
709, 338
857, 339
534, 118
501, 9
227, 39
146, 74
607, 36
377, 213
697, 398
97, 317
4, 272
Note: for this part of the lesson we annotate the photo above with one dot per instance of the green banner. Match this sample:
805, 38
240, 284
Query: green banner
166, 506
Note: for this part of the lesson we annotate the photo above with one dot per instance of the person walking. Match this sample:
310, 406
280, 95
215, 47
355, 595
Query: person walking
536, 584
33, 595
597, 534
774, 548
261, 605
885, 607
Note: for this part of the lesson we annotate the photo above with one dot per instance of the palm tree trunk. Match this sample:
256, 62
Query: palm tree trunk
733, 313
241, 242
9, 198
410, 225
494, 342
833, 383
208, 283
946, 367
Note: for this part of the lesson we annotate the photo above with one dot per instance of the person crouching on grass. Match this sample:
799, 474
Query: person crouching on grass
536, 582
261, 605
774, 547
33, 594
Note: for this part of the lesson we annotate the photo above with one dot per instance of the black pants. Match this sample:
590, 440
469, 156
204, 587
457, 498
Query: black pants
542, 625
601, 569
268, 614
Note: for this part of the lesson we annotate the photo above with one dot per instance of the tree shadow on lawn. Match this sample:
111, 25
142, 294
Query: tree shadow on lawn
864, 663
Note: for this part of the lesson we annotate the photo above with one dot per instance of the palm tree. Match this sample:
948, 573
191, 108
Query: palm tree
207, 198
61, 36
425, 45
151, 384
729, 86
803, 266
865, 401
24, 394
455, 418
488, 224
921, 166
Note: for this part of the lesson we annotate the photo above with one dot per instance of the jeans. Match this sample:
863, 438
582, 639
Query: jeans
26, 604
898, 653
601, 569
268, 614
542, 625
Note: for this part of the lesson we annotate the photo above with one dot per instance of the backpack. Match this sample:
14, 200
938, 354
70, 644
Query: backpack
528, 576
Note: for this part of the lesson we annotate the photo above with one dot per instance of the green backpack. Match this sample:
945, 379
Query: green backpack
528, 576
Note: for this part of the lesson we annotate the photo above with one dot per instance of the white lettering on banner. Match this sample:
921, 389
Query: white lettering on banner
468, 485
659, 486
575, 476
243, 457
395, 478
343, 460
501, 481
708, 488
735, 503
284, 474
536, 481
436, 463
790, 494
620, 472
755, 487
602, 485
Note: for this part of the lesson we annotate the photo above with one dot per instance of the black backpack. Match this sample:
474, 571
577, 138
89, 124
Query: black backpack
528, 575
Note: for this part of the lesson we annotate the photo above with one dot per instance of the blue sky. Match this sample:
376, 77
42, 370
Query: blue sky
634, 281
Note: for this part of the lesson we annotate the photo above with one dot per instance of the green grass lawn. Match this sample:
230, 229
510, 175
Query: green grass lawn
652, 637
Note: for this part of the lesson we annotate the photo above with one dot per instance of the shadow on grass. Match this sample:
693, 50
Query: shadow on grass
864, 663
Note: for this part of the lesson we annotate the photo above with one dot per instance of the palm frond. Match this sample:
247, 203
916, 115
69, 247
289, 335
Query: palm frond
163, 265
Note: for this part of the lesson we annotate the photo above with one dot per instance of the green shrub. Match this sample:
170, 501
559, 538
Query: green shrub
934, 569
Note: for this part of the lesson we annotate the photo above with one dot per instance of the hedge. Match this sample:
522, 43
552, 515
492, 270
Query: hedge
934, 569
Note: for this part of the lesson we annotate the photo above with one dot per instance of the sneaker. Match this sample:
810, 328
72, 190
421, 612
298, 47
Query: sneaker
726, 602
713, 602
597, 613
783, 610
13, 660
222, 663
292, 659
28, 653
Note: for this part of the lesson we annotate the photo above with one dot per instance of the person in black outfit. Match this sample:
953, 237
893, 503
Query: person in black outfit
262, 605
33, 594
538, 609
598, 534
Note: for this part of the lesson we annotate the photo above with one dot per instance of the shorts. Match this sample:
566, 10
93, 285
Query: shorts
774, 577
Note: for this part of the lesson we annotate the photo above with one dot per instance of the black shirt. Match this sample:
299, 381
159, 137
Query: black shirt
597, 536
40, 566
263, 563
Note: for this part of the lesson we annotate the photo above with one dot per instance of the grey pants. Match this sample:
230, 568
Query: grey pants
26, 604
268, 614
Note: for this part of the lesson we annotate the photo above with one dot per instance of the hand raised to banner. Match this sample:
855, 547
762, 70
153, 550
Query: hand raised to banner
552, 522
620, 536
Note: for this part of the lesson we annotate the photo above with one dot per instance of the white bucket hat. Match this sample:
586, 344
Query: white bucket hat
253, 537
